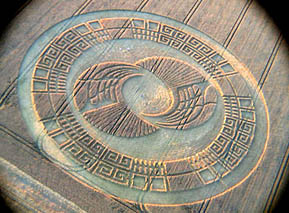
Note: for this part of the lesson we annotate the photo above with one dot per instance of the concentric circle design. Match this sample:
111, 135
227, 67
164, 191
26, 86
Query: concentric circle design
143, 108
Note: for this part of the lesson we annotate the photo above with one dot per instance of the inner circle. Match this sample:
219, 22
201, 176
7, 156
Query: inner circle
147, 94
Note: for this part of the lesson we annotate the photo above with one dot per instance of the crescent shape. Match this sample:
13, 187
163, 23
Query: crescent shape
101, 86
188, 108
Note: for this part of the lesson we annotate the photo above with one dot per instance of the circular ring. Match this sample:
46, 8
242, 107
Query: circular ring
76, 80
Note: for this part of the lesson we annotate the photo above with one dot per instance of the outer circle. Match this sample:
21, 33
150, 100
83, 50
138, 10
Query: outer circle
155, 193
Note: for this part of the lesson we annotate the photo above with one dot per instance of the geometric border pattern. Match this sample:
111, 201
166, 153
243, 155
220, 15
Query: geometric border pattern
209, 165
